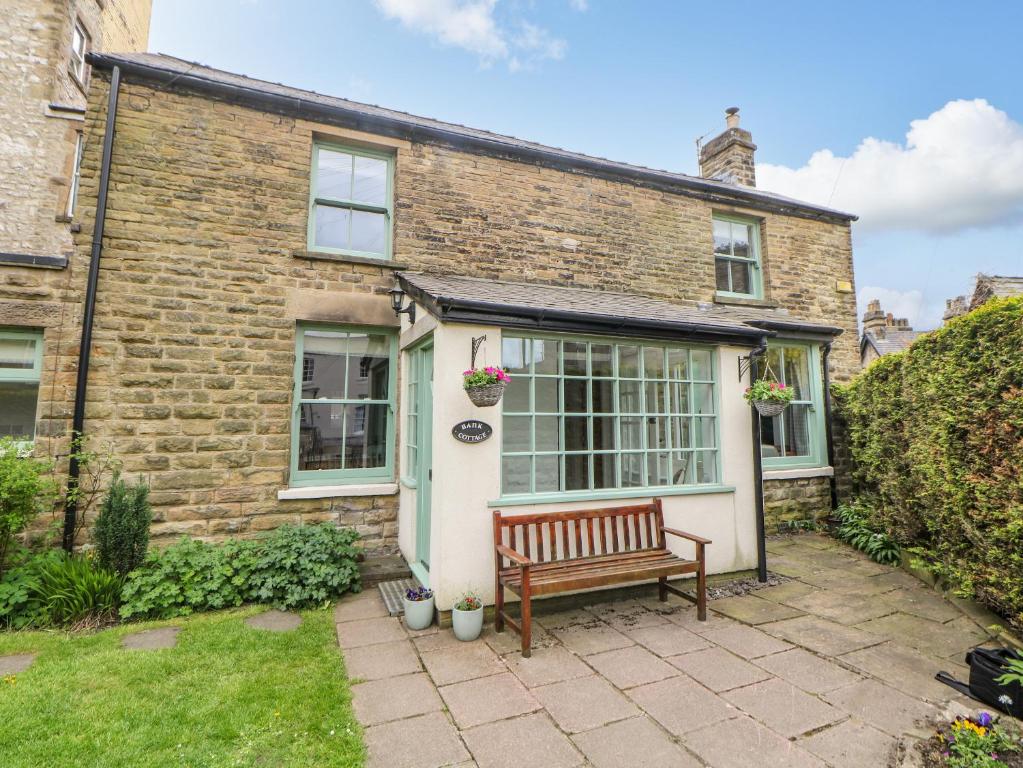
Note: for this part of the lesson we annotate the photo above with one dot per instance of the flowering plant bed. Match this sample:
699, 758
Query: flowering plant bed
485, 386
973, 742
769, 397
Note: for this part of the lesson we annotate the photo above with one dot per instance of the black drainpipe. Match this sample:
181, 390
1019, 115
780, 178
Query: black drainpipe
829, 428
758, 469
78, 420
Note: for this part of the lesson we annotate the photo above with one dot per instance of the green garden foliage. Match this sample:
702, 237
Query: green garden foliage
26, 489
936, 438
854, 530
121, 532
293, 567
57, 589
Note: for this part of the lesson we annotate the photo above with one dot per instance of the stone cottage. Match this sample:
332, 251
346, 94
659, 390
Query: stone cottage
883, 333
246, 357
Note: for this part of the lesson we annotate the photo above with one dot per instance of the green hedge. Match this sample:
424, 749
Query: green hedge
936, 440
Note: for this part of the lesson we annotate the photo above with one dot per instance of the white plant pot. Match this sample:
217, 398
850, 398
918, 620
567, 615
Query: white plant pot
467, 624
418, 613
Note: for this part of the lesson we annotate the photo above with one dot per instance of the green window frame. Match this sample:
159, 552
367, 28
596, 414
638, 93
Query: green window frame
351, 216
411, 435
737, 257
359, 413
21, 366
601, 418
804, 415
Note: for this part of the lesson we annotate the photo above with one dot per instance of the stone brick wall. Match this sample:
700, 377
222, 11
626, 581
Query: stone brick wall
205, 274
789, 501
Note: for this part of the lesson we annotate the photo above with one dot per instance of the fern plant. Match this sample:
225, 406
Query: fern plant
854, 531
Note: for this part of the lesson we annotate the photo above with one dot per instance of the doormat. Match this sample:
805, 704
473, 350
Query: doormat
393, 592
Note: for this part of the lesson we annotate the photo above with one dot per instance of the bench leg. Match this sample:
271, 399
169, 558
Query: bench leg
662, 589
499, 607
701, 585
527, 616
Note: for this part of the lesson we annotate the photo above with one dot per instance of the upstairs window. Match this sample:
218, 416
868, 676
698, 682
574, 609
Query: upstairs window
737, 257
79, 47
21, 357
350, 204
76, 176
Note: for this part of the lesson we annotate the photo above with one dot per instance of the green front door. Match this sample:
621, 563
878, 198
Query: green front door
424, 439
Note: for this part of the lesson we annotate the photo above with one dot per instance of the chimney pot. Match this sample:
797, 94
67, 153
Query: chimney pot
732, 117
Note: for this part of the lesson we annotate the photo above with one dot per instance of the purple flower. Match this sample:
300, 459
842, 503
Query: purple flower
984, 720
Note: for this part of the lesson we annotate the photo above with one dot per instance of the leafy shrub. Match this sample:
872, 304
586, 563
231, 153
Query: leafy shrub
121, 532
976, 742
294, 567
936, 439
25, 489
55, 588
302, 566
853, 530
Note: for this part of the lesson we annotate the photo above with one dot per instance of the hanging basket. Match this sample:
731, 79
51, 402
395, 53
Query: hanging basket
486, 396
769, 408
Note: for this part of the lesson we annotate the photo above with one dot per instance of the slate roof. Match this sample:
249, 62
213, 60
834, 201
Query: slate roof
892, 341
170, 70
455, 298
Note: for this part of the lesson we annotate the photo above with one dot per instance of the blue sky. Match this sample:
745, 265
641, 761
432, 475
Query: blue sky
908, 113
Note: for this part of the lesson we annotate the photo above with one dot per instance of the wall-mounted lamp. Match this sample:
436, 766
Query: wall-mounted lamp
397, 296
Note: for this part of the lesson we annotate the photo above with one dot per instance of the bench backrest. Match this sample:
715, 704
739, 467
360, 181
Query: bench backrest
552, 536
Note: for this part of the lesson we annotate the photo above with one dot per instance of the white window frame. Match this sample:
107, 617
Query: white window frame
79, 48
76, 175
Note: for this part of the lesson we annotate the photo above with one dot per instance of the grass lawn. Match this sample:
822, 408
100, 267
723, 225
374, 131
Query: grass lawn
227, 695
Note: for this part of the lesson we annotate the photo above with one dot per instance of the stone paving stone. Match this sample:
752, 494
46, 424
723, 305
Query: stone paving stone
462, 662
596, 638
365, 605
930, 637
546, 666
807, 671
750, 609
681, 705
16, 663
636, 743
375, 662
844, 609
746, 641
584, 703
564, 619
744, 743
906, 669
426, 741
522, 741
475, 702
436, 641
783, 592
353, 634
719, 670
848, 584
275, 621
624, 615
898, 579
394, 698
508, 642
783, 708
827, 638
628, 667
793, 567
851, 744
881, 706
152, 639
687, 619
668, 639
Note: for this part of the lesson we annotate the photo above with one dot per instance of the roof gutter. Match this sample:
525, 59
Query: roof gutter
397, 128
88, 316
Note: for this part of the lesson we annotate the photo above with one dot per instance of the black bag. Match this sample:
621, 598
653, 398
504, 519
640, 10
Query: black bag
986, 664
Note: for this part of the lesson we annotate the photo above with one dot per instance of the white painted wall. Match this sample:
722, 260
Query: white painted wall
467, 477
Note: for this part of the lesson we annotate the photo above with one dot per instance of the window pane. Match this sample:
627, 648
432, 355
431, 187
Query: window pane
576, 438
633, 470
741, 279
332, 226
18, 408
548, 473
797, 371
797, 430
678, 363
516, 395
604, 473
370, 181
679, 397
681, 429
655, 393
515, 471
657, 432
722, 237
653, 362
319, 436
702, 369
630, 397
516, 434
628, 362
515, 355
17, 354
603, 433
600, 357
703, 398
706, 467
682, 468
741, 241
545, 356
333, 175
705, 432
577, 472
632, 432
365, 436
548, 434
575, 358
722, 275
771, 438
658, 468
323, 354
603, 396
369, 367
546, 394
369, 232
575, 395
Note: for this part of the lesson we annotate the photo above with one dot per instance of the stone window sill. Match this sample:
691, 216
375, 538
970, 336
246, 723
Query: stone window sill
341, 258
337, 491
798, 474
741, 302
35, 262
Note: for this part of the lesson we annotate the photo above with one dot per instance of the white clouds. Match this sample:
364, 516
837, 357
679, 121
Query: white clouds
579, 5
922, 315
959, 168
473, 25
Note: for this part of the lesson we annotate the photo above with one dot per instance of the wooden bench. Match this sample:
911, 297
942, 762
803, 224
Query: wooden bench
543, 554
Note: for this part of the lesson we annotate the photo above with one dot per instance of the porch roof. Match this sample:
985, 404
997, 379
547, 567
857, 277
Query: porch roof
460, 299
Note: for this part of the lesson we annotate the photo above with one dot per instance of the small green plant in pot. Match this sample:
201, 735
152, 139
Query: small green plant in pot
418, 607
485, 386
467, 616
769, 397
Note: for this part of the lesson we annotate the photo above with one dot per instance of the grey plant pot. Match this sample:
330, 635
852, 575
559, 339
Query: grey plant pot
467, 624
418, 613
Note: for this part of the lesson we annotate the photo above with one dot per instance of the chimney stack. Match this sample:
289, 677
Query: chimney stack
728, 156
873, 319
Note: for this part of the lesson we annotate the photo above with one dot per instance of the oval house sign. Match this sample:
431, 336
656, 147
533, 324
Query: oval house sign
472, 431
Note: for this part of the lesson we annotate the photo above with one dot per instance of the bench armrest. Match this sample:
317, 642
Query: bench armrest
511, 554
684, 535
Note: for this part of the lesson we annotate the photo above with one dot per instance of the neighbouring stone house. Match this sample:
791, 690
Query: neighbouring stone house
883, 334
985, 288
247, 360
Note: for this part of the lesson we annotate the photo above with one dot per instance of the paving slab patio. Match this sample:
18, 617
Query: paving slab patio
831, 668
